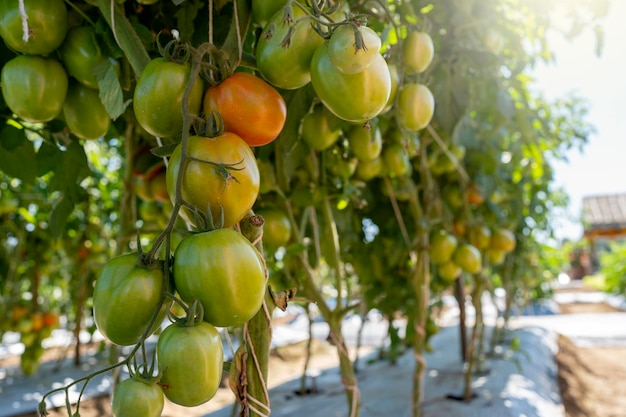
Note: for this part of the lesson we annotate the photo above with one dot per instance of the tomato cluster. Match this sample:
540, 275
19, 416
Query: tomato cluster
36, 85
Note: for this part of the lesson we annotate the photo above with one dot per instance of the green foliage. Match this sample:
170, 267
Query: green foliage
613, 267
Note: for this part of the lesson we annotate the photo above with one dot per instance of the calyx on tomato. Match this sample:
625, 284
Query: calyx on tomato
353, 49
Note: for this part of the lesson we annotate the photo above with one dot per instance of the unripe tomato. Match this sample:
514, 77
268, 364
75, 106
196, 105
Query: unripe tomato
416, 106
442, 246
277, 227
223, 271
397, 162
134, 397
287, 66
263, 10
47, 25
250, 108
418, 51
320, 128
468, 258
353, 97
228, 182
84, 113
502, 239
495, 256
80, 53
343, 52
367, 170
34, 87
449, 271
479, 236
365, 144
395, 82
125, 298
191, 360
159, 96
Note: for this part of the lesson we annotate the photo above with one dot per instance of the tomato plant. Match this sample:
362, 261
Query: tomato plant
158, 97
34, 87
468, 258
223, 176
263, 10
84, 113
502, 239
137, 397
442, 246
352, 97
366, 144
190, 358
224, 272
249, 107
353, 49
47, 25
125, 299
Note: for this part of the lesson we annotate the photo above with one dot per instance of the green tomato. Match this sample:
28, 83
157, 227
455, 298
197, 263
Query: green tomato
397, 162
367, 170
365, 143
320, 128
418, 51
134, 397
84, 113
356, 97
263, 10
80, 53
191, 361
34, 87
416, 106
47, 25
287, 66
468, 257
449, 271
342, 49
277, 227
224, 272
159, 95
442, 246
125, 298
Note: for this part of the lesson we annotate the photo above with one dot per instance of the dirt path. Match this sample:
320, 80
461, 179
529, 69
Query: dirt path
591, 379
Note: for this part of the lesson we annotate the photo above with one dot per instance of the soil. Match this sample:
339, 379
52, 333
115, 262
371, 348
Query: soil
591, 379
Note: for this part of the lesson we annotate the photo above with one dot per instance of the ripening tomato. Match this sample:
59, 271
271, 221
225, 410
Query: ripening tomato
34, 87
223, 271
495, 256
343, 52
125, 298
479, 236
136, 397
227, 183
250, 108
287, 66
80, 54
366, 144
191, 359
159, 94
356, 97
416, 106
47, 25
418, 51
320, 128
84, 113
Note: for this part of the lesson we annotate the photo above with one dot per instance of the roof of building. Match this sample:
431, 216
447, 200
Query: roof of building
605, 213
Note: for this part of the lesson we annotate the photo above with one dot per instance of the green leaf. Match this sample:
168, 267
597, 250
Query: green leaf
48, 156
17, 155
61, 210
127, 38
185, 17
110, 88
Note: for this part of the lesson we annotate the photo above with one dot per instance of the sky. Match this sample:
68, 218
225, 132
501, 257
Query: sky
601, 167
